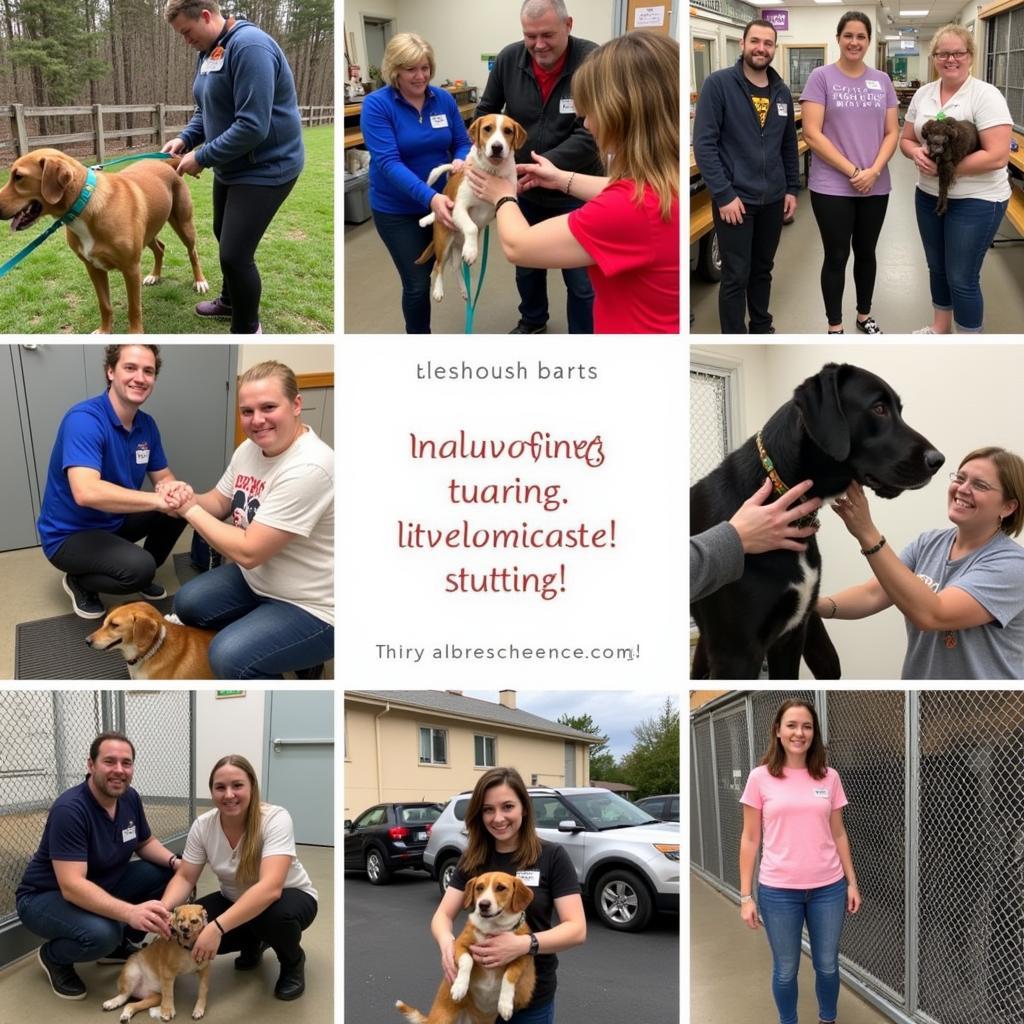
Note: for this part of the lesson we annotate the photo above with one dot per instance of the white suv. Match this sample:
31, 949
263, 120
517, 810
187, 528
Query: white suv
626, 861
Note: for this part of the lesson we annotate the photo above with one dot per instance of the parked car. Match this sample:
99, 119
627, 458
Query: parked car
388, 838
627, 862
664, 807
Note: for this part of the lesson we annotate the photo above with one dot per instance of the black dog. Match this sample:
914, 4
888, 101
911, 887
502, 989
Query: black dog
948, 142
842, 424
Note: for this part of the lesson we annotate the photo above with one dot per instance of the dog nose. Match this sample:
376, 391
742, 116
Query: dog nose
484, 904
934, 459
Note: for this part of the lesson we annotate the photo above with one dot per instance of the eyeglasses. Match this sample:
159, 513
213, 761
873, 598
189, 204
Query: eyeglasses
978, 486
946, 54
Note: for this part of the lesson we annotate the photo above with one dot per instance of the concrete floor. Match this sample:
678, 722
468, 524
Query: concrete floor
731, 967
233, 996
373, 292
901, 301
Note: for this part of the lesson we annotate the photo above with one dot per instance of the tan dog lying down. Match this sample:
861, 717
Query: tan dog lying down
148, 975
479, 994
124, 215
153, 647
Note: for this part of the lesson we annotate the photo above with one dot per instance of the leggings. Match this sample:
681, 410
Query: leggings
241, 215
842, 221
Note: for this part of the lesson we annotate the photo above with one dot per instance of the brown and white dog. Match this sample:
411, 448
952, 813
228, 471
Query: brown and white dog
124, 214
148, 976
153, 647
478, 993
496, 137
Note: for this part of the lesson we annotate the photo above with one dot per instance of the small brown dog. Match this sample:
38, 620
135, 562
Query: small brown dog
478, 994
148, 975
153, 647
948, 141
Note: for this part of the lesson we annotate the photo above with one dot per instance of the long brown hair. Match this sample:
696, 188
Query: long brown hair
775, 756
251, 854
481, 842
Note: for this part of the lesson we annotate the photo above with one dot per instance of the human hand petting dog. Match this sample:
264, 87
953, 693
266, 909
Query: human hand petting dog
855, 513
767, 527
207, 945
500, 949
442, 207
489, 187
924, 162
151, 916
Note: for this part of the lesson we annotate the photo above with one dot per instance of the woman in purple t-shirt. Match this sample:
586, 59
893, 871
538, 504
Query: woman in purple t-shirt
806, 874
849, 115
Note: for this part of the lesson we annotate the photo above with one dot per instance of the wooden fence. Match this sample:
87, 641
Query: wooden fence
102, 128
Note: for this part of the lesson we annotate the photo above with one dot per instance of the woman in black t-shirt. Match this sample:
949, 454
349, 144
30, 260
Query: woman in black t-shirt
503, 837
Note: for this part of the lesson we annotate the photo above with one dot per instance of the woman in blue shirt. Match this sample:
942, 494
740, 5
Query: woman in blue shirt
410, 128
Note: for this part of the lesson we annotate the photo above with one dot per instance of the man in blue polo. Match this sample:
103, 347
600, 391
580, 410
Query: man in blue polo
82, 891
93, 507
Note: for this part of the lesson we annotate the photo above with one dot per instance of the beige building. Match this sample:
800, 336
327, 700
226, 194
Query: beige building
432, 744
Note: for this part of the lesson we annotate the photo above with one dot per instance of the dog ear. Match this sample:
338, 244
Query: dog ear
469, 899
520, 137
474, 130
522, 896
145, 631
56, 179
822, 414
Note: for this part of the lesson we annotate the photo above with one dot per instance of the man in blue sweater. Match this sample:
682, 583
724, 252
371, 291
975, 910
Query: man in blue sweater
246, 127
744, 142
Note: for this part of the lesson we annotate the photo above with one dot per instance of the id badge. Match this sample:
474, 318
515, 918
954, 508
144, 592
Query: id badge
566, 105
531, 878
872, 84
128, 834
821, 792
783, 109
438, 120
141, 456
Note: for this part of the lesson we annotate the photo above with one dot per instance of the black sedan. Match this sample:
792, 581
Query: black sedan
388, 838
664, 808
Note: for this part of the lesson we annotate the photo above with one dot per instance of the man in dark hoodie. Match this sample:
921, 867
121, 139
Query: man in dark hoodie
744, 142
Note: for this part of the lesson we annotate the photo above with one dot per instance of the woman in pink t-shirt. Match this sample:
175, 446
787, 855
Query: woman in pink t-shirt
806, 874
627, 232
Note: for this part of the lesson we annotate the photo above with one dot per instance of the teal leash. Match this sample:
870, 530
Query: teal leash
129, 159
468, 281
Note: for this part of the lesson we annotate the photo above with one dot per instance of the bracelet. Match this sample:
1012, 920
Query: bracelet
856, 171
171, 860
743, 899
501, 202
568, 184
220, 927
872, 551
834, 608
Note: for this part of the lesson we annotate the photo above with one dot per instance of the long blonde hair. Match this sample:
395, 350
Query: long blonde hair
629, 90
251, 855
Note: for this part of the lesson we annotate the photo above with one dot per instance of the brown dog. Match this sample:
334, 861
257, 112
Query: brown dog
148, 975
948, 141
126, 212
479, 993
153, 647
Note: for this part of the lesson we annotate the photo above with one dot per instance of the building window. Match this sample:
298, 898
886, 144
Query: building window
484, 755
802, 61
433, 746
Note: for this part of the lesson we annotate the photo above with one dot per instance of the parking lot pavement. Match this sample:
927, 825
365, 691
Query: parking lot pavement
389, 954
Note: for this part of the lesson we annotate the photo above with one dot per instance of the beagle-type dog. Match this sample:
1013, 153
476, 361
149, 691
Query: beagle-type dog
154, 647
148, 976
478, 994
122, 213
496, 137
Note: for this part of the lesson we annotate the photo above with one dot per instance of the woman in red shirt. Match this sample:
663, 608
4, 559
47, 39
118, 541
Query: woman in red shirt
627, 233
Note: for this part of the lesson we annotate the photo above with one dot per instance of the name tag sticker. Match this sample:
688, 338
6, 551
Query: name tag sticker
438, 120
821, 791
210, 64
783, 109
872, 84
128, 834
141, 456
566, 105
529, 877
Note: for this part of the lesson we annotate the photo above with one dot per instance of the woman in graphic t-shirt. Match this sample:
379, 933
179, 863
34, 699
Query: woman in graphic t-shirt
849, 116
806, 874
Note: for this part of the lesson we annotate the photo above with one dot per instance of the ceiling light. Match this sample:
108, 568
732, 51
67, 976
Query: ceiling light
913, 14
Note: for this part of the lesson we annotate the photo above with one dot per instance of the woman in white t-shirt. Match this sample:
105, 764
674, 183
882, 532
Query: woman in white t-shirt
274, 603
266, 898
806, 875
955, 242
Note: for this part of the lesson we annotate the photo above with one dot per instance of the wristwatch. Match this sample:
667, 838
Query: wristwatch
534, 945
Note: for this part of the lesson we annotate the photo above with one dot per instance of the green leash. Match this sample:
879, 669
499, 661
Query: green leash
467, 280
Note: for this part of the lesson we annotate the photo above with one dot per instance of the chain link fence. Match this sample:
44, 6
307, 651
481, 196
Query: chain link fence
709, 422
936, 824
44, 744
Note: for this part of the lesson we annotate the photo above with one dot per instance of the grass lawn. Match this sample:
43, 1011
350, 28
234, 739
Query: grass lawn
50, 292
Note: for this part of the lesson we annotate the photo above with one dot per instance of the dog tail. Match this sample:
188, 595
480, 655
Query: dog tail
426, 254
437, 172
409, 1013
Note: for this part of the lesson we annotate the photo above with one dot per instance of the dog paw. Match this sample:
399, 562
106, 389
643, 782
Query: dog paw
126, 1016
112, 1004
505, 1008
469, 254
150, 279
197, 1014
437, 294
425, 222
202, 287
459, 989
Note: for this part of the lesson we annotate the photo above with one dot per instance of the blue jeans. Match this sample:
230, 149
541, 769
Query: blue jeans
534, 1015
78, 936
533, 284
954, 246
784, 912
405, 240
260, 637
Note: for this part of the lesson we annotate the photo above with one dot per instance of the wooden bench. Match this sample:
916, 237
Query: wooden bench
701, 219
1015, 210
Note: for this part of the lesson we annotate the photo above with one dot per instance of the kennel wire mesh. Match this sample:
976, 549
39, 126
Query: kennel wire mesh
44, 744
710, 436
936, 824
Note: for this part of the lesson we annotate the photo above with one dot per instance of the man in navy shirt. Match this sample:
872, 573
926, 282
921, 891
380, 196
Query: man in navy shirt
82, 890
93, 507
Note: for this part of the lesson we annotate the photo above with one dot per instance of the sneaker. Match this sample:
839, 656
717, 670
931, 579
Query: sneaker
249, 957
119, 953
313, 672
527, 328
63, 978
869, 326
923, 330
84, 603
213, 307
292, 981
153, 591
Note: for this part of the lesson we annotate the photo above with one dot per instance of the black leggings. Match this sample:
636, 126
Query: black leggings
842, 220
112, 563
241, 215
280, 926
